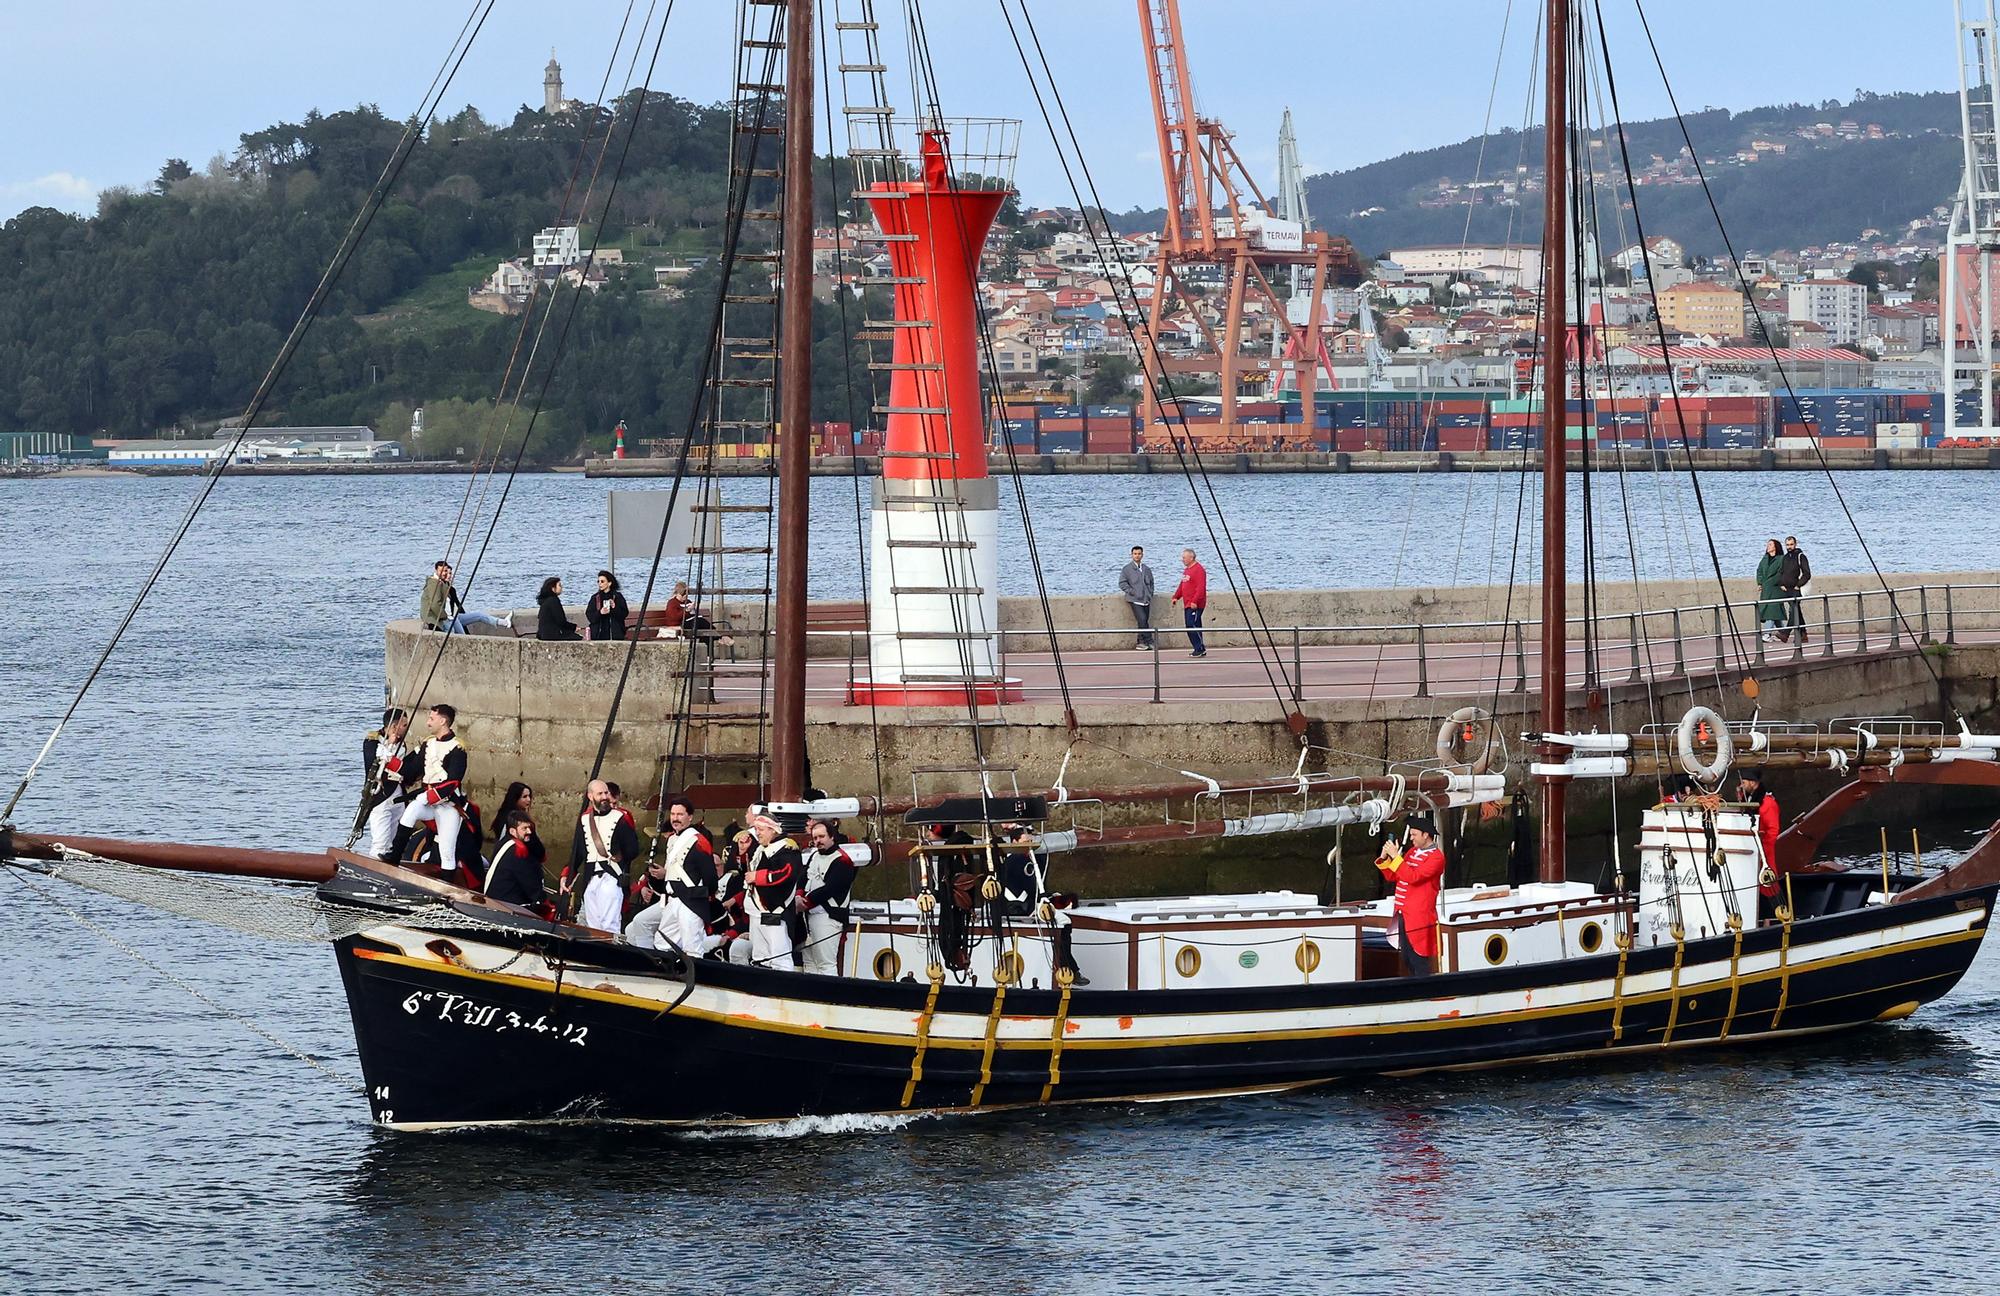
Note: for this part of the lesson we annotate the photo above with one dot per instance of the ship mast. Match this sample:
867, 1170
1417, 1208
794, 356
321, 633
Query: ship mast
1555, 448
788, 604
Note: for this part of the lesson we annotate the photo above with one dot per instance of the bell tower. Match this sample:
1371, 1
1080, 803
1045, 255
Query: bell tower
552, 95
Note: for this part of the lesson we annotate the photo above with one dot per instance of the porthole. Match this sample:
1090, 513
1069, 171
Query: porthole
1590, 938
1188, 961
1496, 949
888, 965
1307, 956
1008, 967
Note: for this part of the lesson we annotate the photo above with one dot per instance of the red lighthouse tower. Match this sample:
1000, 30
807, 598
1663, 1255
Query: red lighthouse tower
934, 607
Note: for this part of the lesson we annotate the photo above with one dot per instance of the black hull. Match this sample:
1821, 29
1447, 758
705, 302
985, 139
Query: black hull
445, 1045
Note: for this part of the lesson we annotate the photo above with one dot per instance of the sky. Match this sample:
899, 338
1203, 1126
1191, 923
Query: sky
102, 93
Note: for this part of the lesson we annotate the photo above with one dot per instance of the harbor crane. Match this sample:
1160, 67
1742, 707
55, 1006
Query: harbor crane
1220, 249
1974, 233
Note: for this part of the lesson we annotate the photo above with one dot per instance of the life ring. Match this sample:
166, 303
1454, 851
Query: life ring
1711, 772
1450, 733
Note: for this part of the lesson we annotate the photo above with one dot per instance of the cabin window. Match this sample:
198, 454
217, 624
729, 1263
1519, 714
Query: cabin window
1496, 949
1188, 961
1008, 967
1590, 938
1307, 956
888, 965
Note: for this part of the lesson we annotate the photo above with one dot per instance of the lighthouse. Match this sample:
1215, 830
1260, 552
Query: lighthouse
933, 598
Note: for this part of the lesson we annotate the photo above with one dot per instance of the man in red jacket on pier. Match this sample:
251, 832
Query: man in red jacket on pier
1192, 595
1419, 874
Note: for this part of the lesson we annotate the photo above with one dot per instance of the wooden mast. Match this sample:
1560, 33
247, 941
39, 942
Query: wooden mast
1555, 448
788, 604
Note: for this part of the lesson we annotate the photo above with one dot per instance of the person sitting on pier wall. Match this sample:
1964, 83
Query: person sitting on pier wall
1419, 873
434, 776
514, 875
382, 754
552, 623
442, 609
606, 611
604, 847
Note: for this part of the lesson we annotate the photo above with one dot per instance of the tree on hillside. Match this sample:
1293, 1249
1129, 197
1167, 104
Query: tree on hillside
175, 171
1111, 381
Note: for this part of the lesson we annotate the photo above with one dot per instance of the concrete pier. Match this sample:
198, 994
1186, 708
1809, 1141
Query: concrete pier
1372, 671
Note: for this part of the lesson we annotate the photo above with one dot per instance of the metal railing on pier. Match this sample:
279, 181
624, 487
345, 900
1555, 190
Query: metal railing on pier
1456, 659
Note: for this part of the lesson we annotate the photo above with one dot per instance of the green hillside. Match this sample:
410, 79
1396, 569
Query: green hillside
164, 309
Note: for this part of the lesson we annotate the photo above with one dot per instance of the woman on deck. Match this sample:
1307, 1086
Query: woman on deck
1770, 599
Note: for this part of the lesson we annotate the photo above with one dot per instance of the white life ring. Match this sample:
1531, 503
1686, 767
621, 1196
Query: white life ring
1447, 744
1710, 773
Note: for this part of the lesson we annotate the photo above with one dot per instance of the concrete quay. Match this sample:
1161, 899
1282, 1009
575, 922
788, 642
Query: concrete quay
1372, 671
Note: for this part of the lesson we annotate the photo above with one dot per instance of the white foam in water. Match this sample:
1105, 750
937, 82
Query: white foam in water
814, 1126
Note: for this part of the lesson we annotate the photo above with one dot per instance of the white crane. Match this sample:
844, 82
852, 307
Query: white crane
1974, 234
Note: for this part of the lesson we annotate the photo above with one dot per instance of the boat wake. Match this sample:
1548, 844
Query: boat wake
813, 1126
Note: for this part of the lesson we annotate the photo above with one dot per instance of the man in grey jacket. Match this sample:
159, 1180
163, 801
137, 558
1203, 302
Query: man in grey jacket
1135, 582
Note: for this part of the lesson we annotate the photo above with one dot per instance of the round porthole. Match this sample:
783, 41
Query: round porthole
888, 965
1307, 956
1188, 961
1496, 949
1590, 938
1008, 967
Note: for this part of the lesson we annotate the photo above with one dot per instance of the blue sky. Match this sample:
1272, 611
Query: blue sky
101, 93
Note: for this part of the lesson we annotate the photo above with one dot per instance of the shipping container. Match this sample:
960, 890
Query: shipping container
1051, 442
1359, 439
1460, 440
1847, 442
1514, 438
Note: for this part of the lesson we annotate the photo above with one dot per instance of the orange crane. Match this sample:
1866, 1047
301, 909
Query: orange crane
1218, 250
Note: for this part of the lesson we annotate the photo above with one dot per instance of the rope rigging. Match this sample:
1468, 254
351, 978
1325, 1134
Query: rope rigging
1227, 554
413, 133
1743, 282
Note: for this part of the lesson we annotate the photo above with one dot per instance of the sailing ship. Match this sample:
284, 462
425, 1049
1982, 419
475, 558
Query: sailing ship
1158, 998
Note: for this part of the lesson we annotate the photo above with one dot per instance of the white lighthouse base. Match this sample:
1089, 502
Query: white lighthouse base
933, 596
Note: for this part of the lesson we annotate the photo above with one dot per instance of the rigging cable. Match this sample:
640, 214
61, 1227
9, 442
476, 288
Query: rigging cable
562, 339
1183, 445
732, 238
363, 218
1736, 264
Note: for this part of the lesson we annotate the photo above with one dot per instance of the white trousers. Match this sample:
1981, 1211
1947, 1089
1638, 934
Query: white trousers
382, 826
822, 951
770, 943
686, 929
448, 821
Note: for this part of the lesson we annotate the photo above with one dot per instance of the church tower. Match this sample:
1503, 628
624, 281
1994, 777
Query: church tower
552, 95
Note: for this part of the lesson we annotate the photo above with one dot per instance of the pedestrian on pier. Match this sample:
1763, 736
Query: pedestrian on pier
552, 623
1794, 579
606, 610
1135, 583
1192, 595
1770, 599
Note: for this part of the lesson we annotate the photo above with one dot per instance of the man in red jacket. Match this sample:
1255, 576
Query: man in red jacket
1419, 873
1750, 790
1192, 595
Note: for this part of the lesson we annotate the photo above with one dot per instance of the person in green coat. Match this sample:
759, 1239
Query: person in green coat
1770, 599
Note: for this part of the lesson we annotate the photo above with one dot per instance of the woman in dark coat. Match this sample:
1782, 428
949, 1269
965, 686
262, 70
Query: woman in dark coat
552, 623
606, 610
1770, 604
